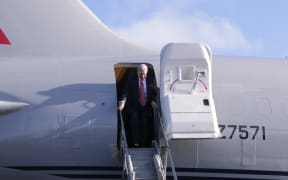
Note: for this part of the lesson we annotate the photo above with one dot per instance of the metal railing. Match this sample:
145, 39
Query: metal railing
127, 162
195, 82
162, 147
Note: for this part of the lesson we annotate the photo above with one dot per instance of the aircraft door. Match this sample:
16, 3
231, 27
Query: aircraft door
186, 92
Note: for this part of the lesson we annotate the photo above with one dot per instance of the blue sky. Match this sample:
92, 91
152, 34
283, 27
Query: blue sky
229, 27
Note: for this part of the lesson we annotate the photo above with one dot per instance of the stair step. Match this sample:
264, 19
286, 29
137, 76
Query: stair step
141, 154
142, 160
145, 173
147, 178
147, 163
144, 151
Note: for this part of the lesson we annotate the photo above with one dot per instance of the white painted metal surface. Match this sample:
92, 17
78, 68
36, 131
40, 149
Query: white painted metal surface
186, 92
60, 61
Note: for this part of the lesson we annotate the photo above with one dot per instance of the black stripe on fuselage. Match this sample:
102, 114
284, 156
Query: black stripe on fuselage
105, 172
107, 176
55, 168
233, 171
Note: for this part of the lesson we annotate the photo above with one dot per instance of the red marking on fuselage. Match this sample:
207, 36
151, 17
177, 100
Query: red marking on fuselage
3, 38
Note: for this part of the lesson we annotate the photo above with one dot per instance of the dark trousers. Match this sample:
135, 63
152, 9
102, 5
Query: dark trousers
141, 126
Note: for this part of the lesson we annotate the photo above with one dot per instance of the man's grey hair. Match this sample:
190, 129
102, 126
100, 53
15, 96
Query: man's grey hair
142, 67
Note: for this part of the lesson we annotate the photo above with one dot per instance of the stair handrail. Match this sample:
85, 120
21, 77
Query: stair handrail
195, 82
166, 148
128, 166
160, 164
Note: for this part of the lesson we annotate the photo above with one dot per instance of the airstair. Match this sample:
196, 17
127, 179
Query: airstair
142, 160
187, 106
147, 163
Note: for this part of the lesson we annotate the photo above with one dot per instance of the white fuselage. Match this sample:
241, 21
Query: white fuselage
58, 100
72, 117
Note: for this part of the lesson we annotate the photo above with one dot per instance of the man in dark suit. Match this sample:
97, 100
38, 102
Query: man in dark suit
140, 97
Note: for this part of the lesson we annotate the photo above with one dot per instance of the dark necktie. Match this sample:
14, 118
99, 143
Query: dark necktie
142, 99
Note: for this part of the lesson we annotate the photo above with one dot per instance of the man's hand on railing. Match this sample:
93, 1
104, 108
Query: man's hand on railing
121, 105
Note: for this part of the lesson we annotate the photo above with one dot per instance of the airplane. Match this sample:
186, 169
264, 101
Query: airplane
61, 73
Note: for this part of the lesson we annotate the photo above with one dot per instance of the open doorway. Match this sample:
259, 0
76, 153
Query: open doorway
124, 71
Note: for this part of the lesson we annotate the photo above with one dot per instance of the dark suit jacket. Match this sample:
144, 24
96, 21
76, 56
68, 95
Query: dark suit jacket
131, 94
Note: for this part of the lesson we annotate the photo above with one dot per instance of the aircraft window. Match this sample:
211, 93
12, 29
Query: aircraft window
186, 72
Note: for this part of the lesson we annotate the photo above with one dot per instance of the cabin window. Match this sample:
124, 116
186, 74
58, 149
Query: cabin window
186, 72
